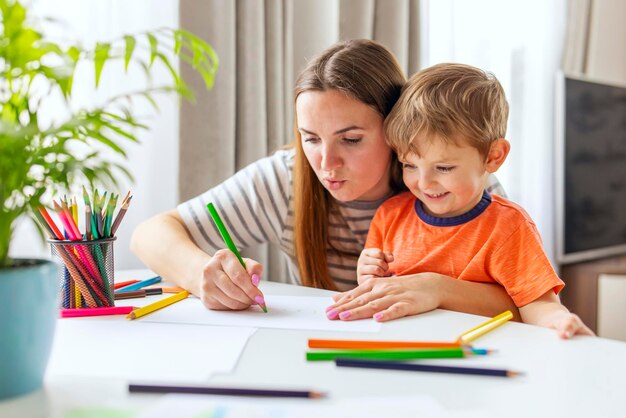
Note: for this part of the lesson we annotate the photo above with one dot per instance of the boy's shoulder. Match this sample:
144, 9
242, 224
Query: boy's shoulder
505, 208
398, 201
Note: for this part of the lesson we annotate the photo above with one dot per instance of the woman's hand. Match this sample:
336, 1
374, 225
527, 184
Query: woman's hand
226, 285
373, 262
387, 298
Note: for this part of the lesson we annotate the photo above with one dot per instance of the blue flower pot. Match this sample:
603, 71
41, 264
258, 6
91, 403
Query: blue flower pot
28, 313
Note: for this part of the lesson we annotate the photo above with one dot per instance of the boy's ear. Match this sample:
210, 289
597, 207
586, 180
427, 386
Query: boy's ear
497, 154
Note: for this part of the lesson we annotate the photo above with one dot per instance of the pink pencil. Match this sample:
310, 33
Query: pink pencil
113, 310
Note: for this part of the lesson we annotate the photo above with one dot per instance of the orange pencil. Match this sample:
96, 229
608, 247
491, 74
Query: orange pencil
172, 289
368, 344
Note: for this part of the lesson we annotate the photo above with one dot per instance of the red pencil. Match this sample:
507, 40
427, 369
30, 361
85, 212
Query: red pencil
126, 283
53, 226
112, 310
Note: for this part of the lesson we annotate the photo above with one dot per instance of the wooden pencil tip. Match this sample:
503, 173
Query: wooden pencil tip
131, 316
263, 307
317, 395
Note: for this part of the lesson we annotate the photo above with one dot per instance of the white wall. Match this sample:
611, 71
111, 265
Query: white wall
154, 162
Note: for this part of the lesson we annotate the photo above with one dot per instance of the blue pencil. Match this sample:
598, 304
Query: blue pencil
139, 285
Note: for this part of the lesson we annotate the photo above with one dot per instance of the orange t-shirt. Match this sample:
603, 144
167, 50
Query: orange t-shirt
495, 242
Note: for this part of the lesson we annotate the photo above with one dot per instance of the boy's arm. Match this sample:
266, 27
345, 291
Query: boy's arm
547, 311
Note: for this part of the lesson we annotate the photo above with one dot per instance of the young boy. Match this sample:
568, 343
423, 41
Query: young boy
448, 130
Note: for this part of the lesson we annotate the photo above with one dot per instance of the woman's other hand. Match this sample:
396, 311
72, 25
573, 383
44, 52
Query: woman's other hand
387, 298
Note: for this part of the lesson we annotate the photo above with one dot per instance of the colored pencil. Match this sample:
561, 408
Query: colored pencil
371, 344
387, 354
172, 289
398, 365
227, 239
228, 391
138, 293
109, 310
120, 215
123, 284
139, 285
138, 313
50, 222
469, 336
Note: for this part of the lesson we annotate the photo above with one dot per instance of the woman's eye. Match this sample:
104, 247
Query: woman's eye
444, 169
311, 139
352, 140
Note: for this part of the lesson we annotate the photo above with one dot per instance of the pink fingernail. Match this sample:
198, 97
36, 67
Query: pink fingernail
332, 314
259, 300
329, 308
256, 279
345, 315
378, 316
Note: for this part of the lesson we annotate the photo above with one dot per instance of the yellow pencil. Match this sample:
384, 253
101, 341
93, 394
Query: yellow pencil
137, 313
496, 321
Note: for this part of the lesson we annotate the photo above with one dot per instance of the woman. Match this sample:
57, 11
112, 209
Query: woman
315, 199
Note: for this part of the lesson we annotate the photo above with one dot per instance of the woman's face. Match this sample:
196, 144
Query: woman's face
343, 140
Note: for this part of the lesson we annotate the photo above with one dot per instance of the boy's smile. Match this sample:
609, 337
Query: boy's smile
448, 179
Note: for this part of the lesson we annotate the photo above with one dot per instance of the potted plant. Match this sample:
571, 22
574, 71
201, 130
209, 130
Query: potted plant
36, 160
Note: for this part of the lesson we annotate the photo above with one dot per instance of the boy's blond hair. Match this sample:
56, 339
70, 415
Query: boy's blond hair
452, 102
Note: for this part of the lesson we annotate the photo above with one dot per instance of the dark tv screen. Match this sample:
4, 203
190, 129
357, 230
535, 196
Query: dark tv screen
593, 153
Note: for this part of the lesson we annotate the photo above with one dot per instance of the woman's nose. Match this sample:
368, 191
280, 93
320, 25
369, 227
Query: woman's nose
330, 158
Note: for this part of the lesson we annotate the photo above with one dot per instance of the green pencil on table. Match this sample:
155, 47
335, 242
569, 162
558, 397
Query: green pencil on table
228, 240
454, 352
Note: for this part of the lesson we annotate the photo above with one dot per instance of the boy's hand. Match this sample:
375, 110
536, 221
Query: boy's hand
567, 325
547, 311
373, 262
385, 298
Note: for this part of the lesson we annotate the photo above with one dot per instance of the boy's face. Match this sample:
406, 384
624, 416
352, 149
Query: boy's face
449, 179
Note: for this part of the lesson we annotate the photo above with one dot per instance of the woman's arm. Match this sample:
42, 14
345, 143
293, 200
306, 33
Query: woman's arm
387, 298
164, 245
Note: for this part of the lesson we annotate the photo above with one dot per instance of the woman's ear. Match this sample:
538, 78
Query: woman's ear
497, 154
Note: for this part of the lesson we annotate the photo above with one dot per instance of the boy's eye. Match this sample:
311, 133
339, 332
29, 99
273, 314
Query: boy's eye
407, 166
445, 169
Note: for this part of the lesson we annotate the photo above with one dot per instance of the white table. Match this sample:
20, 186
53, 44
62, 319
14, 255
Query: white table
582, 377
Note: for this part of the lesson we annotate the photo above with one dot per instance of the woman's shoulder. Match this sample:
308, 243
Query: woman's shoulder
280, 162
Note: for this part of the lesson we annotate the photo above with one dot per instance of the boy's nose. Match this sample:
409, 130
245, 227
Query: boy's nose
425, 181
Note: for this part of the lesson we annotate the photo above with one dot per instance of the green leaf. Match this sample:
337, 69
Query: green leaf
101, 56
130, 48
154, 43
74, 53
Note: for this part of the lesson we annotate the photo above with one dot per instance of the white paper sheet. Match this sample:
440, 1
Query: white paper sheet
136, 350
289, 312
191, 406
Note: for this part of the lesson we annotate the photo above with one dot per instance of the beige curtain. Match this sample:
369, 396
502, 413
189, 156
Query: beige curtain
596, 40
262, 45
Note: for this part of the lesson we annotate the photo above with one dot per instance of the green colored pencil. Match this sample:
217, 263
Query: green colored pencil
455, 352
224, 232
227, 239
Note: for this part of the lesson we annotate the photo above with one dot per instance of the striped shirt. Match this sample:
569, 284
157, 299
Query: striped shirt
256, 205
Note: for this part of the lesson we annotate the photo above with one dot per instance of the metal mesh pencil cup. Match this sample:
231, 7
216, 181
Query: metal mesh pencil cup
86, 281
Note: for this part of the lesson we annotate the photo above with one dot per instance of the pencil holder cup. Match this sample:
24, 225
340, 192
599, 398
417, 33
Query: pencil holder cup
86, 281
